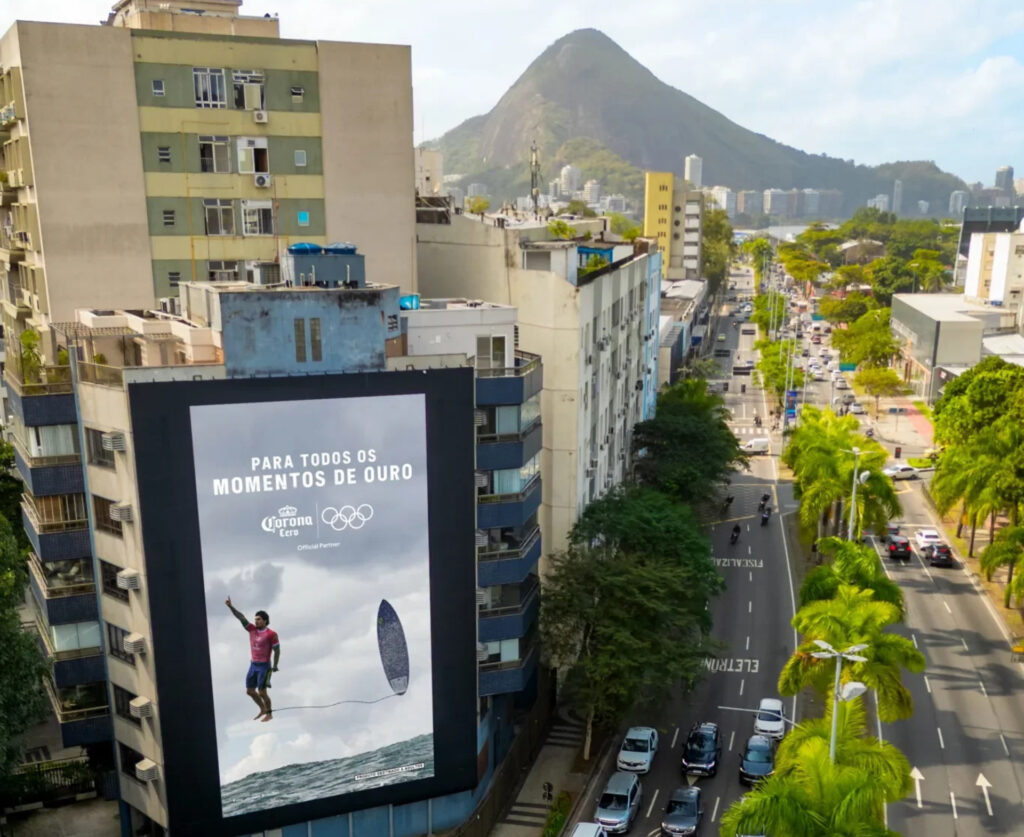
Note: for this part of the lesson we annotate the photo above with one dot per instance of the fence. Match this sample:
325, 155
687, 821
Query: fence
46, 781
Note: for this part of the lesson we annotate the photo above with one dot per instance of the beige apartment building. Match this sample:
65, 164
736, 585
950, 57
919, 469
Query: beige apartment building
674, 217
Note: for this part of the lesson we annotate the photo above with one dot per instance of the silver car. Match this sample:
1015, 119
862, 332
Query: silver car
637, 751
619, 805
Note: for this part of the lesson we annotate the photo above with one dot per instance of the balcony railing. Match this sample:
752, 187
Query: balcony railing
101, 375
517, 497
51, 652
67, 709
526, 362
49, 527
490, 438
59, 585
508, 551
34, 461
525, 653
53, 380
526, 593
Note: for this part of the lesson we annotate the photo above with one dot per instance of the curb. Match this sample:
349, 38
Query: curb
597, 768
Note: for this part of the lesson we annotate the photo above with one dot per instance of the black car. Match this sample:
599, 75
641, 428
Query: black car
702, 750
757, 761
938, 555
898, 548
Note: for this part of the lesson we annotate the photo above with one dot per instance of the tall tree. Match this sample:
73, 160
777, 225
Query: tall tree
717, 247
879, 382
850, 563
868, 341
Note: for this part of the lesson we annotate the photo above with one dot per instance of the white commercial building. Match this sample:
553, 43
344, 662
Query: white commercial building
429, 171
591, 191
569, 180
693, 170
724, 198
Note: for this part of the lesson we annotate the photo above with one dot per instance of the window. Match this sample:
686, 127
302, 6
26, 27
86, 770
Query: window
77, 636
174, 278
248, 88
663, 188
168, 217
163, 154
101, 515
490, 351
158, 87
115, 644
108, 581
253, 157
257, 218
221, 271
57, 509
300, 157
123, 705
316, 350
210, 88
214, 155
220, 217
94, 448
300, 340
298, 93
303, 219
128, 759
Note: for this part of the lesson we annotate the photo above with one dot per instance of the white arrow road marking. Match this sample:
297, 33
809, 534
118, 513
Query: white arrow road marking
918, 777
985, 784
714, 813
651, 806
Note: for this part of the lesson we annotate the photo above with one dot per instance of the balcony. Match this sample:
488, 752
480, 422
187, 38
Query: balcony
82, 711
512, 384
48, 400
512, 676
495, 452
55, 540
101, 375
497, 510
514, 615
64, 590
12, 244
508, 562
48, 474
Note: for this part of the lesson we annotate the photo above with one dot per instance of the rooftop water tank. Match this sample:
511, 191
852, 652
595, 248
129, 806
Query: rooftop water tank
305, 247
341, 248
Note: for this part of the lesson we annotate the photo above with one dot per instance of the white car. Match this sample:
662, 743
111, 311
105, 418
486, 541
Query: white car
841, 383
926, 537
819, 375
857, 408
769, 719
636, 754
900, 472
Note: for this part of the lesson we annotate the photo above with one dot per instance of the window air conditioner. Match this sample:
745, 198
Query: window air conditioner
481, 652
480, 479
141, 707
479, 417
113, 441
481, 596
262, 180
147, 771
480, 539
122, 512
129, 579
135, 644
261, 117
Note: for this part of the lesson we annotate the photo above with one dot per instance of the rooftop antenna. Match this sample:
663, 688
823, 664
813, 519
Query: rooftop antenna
534, 178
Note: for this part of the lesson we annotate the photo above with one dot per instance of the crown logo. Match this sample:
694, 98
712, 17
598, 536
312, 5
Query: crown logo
287, 511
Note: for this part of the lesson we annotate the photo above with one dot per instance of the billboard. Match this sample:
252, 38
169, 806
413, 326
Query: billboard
323, 520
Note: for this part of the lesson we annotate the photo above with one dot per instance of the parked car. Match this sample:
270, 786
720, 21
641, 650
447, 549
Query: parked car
757, 761
938, 555
637, 751
924, 537
702, 750
588, 829
683, 812
900, 472
619, 804
770, 718
857, 409
898, 548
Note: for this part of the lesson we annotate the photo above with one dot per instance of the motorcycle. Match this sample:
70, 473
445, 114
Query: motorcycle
764, 502
765, 515
735, 535
870, 432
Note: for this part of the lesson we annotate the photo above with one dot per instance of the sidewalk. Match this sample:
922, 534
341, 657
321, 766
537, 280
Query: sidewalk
910, 430
555, 764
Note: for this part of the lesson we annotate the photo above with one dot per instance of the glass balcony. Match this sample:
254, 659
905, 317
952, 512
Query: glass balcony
510, 384
498, 510
505, 676
513, 613
63, 589
82, 711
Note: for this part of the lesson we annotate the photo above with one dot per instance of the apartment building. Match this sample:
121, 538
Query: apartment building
596, 330
674, 216
236, 334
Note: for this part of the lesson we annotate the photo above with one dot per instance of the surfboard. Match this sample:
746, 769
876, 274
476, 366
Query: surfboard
394, 652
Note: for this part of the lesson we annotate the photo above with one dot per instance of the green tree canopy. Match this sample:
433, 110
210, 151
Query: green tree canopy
761, 253
717, 247
889, 275
879, 382
557, 228
478, 205
868, 341
621, 225
578, 207
845, 309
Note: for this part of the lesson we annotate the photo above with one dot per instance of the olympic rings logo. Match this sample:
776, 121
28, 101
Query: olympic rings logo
347, 517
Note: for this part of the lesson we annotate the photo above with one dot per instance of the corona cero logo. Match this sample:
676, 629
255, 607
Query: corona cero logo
286, 523
347, 517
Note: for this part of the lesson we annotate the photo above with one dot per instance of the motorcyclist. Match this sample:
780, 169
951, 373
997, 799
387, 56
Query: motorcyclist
735, 536
764, 501
765, 515
727, 502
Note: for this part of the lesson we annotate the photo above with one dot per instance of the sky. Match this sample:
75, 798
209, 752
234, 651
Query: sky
873, 81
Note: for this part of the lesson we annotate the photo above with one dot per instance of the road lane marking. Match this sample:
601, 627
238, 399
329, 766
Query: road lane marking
980, 683
750, 550
942, 744
748, 643
750, 575
952, 801
714, 813
948, 608
651, 806
918, 777
732, 738
914, 637
750, 607
1005, 748
675, 738
742, 683
928, 686
964, 641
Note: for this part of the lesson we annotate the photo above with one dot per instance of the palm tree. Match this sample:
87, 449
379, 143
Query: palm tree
1006, 550
854, 564
854, 616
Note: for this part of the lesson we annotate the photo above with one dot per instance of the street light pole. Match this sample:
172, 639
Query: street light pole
853, 499
851, 691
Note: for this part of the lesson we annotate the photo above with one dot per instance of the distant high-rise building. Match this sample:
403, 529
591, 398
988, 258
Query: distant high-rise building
674, 216
897, 196
811, 203
457, 194
1018, 185
555, 188
429, 171
794, 203
922, 207
724, 198
958, 200
750, 202
879, 202
1004, 179
591, 191
615, 203
775, 202
476, 190
830, 203
570, 180
693, 170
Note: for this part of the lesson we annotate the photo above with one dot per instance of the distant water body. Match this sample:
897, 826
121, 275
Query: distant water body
391, 765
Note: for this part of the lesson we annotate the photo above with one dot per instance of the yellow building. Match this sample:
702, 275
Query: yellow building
673, 215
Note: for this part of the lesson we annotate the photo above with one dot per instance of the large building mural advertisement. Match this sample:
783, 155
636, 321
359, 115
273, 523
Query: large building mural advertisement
313, 526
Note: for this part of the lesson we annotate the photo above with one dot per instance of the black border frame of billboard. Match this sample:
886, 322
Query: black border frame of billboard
166, 479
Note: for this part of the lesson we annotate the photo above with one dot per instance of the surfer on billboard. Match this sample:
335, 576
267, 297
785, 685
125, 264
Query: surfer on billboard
262, 641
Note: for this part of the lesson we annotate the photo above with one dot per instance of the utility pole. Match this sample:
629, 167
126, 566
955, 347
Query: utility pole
535, 179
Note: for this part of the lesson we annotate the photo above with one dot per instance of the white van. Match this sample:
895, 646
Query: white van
761, 445
588, 829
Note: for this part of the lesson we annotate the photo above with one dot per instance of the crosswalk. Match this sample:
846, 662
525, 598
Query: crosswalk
749, 430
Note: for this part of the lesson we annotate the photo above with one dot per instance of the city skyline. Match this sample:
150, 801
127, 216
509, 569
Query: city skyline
968, 58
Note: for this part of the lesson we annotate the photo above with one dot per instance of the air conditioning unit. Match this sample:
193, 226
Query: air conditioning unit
261, 117
480, 479
481, 596
480, 539
129, 579
147, 771
481, 652
262, 180
122, 512
113, 441
170, 305
479, 418
141, 707
134, 644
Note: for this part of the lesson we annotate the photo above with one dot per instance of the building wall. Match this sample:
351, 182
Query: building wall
959, 342
87, 163
445, 332
366, 112
658, 196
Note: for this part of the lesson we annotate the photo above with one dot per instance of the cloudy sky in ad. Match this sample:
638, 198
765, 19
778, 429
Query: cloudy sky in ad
873, 81
322, 601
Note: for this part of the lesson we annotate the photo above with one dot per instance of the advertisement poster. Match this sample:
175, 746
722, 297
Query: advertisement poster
314, 536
